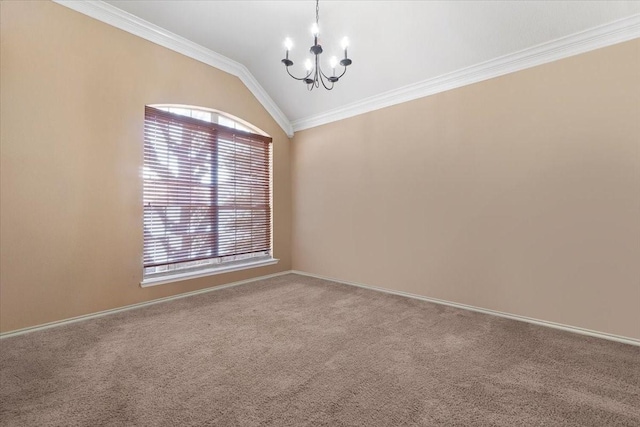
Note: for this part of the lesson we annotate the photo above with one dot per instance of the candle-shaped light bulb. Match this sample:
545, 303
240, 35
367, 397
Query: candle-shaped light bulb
308, 65
314, 29
288, 44
333, 61
344, 43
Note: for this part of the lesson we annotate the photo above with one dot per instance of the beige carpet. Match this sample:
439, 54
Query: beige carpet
296, 351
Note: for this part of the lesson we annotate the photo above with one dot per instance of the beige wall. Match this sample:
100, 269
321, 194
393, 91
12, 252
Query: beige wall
73, 92
519, 194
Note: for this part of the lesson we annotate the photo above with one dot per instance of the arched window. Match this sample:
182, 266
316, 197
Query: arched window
207, 194
210, 115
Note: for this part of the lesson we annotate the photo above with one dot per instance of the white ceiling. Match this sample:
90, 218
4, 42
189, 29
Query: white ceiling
393, 43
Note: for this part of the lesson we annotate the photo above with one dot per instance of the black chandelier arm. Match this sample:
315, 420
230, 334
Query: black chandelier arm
298, 78
337, 77
322, 74
343, 72
325, 86
319, 77
311, 83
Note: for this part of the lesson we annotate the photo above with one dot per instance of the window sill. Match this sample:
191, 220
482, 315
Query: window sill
210, 271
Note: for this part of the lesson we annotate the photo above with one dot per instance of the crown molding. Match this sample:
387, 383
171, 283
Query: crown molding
132, 24
574, 44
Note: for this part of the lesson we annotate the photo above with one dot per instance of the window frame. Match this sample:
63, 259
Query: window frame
214, 265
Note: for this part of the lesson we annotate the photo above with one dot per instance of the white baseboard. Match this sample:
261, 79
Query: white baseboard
574, 329
134, 306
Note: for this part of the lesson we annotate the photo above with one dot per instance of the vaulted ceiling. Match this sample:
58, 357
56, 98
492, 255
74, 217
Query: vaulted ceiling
394, 44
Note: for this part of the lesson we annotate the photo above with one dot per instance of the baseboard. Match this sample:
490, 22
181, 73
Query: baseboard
574, 329
134, 306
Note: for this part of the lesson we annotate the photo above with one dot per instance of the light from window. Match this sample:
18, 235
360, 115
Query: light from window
208, 116
207, 190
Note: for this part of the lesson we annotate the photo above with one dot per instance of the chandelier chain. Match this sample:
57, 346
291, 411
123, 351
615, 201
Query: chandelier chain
317, 11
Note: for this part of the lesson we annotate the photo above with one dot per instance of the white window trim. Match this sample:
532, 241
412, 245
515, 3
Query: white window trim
177, 276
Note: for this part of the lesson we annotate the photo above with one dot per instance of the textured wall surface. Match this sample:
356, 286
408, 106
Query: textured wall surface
519, 194
72, 105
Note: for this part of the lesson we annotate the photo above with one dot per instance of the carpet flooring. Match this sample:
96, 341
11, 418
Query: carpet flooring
298, 351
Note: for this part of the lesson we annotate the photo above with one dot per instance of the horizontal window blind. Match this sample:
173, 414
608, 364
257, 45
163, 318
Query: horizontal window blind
207, 190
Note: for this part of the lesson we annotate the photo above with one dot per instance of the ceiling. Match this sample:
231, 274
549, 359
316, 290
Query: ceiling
392, 43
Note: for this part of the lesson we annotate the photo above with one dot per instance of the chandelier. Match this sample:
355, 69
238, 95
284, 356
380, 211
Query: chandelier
315, 76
